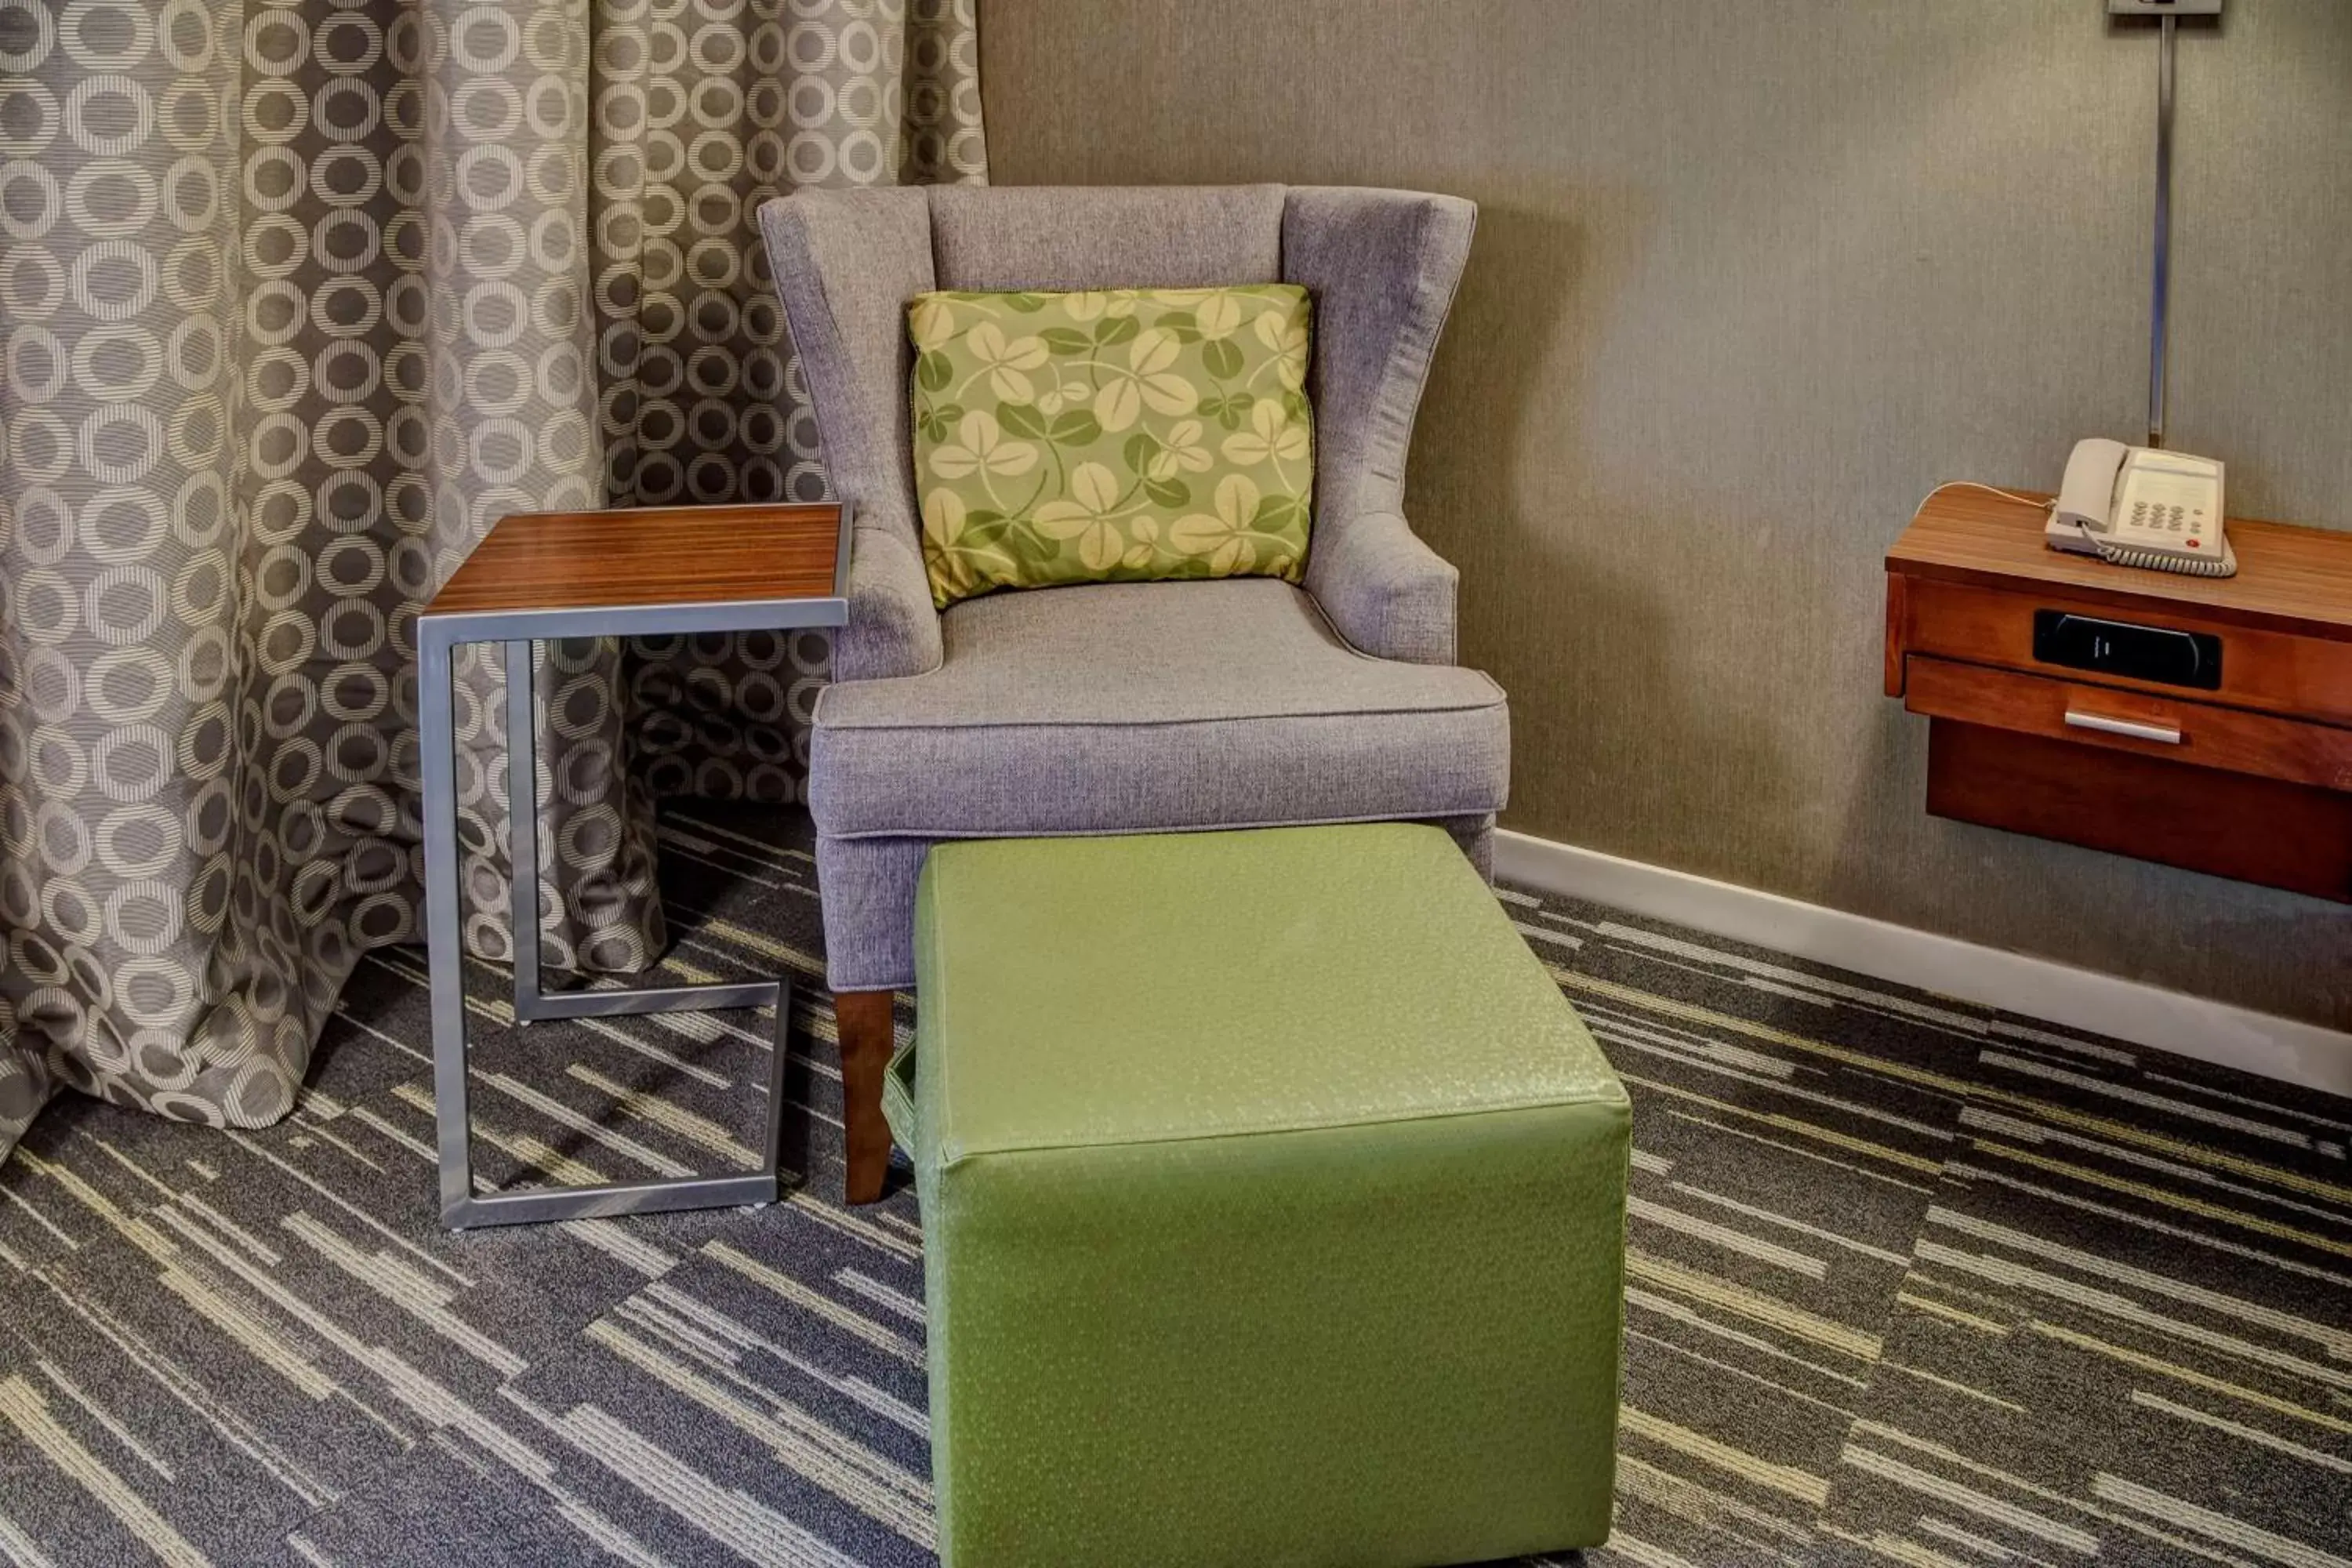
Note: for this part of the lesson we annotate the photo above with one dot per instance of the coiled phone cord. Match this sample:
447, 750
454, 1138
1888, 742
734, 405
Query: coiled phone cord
2126, 555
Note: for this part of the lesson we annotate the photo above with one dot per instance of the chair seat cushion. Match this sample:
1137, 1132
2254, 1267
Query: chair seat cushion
1118, 708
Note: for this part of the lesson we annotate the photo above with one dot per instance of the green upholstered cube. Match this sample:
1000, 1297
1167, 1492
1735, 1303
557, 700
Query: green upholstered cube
1273, 1204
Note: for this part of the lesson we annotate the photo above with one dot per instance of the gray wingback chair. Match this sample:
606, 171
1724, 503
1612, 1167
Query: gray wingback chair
1122, 707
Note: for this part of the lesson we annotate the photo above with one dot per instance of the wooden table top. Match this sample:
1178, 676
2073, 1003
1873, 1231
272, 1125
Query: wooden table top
647, 556
2289, 579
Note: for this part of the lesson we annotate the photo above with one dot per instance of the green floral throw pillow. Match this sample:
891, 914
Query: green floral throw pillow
1120, 435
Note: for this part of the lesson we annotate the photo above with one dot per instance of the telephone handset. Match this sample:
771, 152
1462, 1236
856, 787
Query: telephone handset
2143, 506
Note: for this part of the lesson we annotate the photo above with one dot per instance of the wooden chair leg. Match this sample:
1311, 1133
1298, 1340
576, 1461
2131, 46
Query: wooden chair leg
867, 1038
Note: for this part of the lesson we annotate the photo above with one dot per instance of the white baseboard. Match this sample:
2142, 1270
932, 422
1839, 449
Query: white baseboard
2282, 1048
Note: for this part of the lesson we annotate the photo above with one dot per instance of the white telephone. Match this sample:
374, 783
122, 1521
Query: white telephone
2143, 506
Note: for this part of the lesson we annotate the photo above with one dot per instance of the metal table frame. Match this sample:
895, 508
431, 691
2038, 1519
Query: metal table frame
437, 638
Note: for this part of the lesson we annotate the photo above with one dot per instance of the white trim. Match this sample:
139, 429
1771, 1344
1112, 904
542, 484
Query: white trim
2286, 1050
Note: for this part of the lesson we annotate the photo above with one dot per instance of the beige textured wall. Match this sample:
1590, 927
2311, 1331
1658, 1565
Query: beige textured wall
1749, 279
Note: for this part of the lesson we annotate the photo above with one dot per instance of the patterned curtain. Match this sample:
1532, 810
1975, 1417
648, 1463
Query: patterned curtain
297, 297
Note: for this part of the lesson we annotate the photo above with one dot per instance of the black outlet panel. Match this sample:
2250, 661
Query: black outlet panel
2119, 648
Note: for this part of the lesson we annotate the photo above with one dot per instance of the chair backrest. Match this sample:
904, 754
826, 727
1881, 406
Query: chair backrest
1381, 267
1105, 236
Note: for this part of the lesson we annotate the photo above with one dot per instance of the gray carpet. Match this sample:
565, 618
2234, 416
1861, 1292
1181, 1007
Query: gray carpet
1911, 1282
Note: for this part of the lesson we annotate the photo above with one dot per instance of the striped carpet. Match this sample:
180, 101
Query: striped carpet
1910, 1282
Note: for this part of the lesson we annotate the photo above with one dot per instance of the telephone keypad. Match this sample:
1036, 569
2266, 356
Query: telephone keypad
2161, 517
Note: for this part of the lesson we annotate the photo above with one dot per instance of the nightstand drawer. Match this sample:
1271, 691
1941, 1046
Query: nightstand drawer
2279, 672
2204, 733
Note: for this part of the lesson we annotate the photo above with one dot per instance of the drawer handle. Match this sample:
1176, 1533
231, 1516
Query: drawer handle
2167, 733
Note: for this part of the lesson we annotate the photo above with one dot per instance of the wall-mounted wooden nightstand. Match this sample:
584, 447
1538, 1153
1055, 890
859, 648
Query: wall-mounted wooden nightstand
2237, 762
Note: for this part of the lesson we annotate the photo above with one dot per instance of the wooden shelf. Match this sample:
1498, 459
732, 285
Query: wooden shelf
2251, 779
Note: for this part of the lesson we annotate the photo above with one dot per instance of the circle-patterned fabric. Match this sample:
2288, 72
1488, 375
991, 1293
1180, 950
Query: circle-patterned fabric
296, 299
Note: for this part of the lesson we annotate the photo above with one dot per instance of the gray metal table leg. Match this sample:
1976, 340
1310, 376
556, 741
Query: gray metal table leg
530, 1002
445, 954
460, 1206
540, 1205
523, 825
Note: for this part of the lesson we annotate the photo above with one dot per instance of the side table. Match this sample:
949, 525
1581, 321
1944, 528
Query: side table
538, 576
2204, 722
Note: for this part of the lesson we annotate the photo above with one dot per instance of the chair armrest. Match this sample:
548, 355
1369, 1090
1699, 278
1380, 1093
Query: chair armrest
893, 629
1389, 594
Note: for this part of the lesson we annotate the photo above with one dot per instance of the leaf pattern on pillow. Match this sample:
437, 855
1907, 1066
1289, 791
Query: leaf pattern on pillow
1112, 435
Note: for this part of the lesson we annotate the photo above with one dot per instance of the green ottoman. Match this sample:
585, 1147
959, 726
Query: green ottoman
1273, 1205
